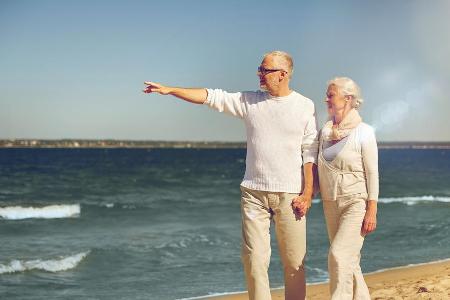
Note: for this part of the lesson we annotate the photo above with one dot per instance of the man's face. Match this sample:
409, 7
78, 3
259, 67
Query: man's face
269, 73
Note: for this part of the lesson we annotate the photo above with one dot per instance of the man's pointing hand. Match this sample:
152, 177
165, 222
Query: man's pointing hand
153, 87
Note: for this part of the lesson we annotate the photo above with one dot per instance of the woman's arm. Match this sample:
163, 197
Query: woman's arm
369, 151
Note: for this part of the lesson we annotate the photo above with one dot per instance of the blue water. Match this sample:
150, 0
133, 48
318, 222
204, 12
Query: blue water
165, 223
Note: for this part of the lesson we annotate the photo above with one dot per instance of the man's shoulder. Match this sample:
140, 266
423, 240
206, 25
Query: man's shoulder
304, 101
303, 98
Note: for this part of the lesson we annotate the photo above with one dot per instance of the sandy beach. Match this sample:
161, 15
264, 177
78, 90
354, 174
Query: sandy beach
424, 281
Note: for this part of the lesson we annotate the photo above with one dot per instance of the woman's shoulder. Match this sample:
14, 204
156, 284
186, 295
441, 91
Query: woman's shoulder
365, 128
365, 132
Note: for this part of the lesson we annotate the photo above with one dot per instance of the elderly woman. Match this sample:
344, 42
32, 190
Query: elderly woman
348, 178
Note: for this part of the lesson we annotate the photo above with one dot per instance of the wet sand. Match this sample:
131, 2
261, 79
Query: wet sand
424, 281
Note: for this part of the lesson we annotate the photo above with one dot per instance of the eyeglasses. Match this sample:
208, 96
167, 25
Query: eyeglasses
263, 71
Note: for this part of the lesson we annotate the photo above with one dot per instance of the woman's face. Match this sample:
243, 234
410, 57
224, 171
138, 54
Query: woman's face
335, 99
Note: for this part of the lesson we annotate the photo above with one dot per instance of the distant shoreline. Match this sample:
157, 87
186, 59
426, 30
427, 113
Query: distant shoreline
130, 144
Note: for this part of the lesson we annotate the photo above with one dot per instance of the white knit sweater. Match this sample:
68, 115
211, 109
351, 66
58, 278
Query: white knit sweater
281, 136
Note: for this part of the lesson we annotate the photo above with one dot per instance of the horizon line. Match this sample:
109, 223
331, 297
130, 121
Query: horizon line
183, 141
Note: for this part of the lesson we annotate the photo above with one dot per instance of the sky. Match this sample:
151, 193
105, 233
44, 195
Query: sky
75, 69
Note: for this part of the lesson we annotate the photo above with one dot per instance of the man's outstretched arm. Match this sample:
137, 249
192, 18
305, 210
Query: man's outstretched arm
193, 95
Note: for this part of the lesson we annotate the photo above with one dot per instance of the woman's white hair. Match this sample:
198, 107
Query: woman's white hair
348, 88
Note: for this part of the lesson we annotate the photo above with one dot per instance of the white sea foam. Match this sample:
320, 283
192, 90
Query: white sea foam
46, 212
52, 265
408, 200
408, 266
414, 200
320, 273
188, 241
213, 295
223, 294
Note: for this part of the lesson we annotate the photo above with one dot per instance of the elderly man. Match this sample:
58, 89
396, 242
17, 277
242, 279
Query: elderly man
281, 141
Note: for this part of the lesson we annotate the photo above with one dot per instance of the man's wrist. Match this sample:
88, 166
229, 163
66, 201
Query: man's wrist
171, 90
307, 192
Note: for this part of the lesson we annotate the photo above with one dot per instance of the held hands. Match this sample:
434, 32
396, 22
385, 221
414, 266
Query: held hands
370, 219
153, 87
301, 204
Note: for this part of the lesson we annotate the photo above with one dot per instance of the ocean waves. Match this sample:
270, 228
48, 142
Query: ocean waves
415, 199
412, 200
196, 240
51, 265
46, 212
60, 211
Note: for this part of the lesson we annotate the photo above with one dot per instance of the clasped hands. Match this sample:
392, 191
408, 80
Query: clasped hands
301, 204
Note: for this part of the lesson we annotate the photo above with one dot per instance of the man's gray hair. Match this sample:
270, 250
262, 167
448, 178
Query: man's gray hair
348, 88
284, 59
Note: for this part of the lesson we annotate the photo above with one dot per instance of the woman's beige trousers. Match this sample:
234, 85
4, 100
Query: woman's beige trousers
344, 218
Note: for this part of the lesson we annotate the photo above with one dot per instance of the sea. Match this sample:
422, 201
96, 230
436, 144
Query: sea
165, 223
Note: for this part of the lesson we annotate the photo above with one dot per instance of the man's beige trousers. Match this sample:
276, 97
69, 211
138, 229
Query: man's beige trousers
344, 219
257, 209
